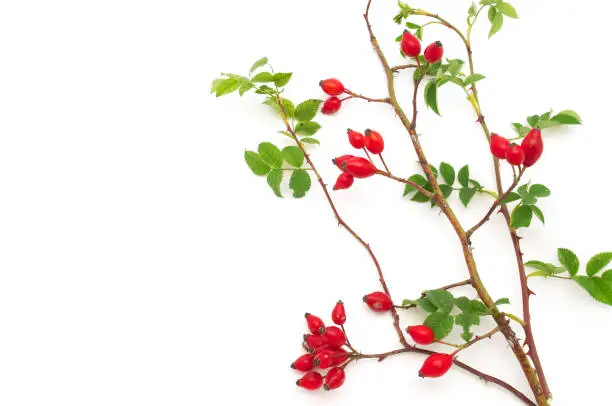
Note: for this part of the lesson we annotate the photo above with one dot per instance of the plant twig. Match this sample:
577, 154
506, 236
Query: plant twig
369, 99
418, 187
477, 339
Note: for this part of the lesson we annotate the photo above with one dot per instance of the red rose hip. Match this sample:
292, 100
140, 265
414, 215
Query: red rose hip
334, 379
315, 324
499, 146
411, 46
304, 363
310, 381
332, 87
434, 52
324, 359
421, 334
378, 301
515, 155
533, 145
314, 341
335, 337
341, 161
357, 140
436, 365
338, 356
359, 167
344, 181
374, 142
331, 105
339, 314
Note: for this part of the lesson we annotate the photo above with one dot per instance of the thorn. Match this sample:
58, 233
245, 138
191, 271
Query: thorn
531, 292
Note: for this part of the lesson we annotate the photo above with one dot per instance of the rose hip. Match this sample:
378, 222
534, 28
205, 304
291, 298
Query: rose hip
436, 365
335, 337
338, 356
314, 341
378, 301
334, 378
340, 161
304, 363
315, 324
323, 359
533, 145
331, 105
310, 381
359, 167
515, 155
434, 52
344, 181
499, 146
338, 314
421, 334
332, 87
411, 46
357, 140
374, 142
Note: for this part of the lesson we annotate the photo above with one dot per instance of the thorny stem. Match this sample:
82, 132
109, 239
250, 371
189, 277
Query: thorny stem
533, 376
341, 222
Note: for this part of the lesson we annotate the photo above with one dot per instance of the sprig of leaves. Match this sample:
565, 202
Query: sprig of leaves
527, 208
547, 120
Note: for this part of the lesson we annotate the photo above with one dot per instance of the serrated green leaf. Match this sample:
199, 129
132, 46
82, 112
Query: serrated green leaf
446, 190
502, 301
543, 124
282, 78
600, 289
508, 9
270, 154
533, 120
426, 305
448, 173
544, 268
258, 64
263, 77
412, 25
416, 178
511, 197
257, 165
215, 84
569, 260
287, 105
307, 128
466, 194
467, 336
440, 323
245, 87
521, 216
567, 117
227, 86
491, 14
265, 89
467, 319
598, 262
523, 190
431, 96
408, 302
309, 140
464, 304
442, 299
420, 197
497, 24
539, 190
307, 110
538, 213
470, 80
454, 66
300, 183
275, 177
464, 176
293, 156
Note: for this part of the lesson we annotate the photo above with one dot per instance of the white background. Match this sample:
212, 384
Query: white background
141, 263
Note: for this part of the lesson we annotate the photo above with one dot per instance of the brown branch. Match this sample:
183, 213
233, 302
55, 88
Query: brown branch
477, 339
418, 187
496, 204
401, 67
369, 99
485, 377
341, 222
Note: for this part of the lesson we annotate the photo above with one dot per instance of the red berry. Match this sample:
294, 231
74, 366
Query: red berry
331, 105
411, 46
310, 381
374, 142
499, 146
433, 53
515, 155
356, 139
322, 348
344, 181
338, 356
338, 314
378, 301
314, 341
341, 161
334, 336
359, 167
436, 365
315, 324
304, 363
421, 334
334, 378
324, 359
533, 145
332, 87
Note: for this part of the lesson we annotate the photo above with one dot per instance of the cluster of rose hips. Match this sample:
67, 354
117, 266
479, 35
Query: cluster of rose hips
357, 167
325, 346
411, 47
527, 153
334, 88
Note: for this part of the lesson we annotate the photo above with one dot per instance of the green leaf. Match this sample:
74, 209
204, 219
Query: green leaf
300, 183
258, 64
265, 89
508, 10
479, 307
549, 268
263, 77
538, 213
466, 194
440, 323
270, 154
446, 190
543, 124
418, 179
257, 165
309, 140
512, 197
464, 176
431, 96
287, 105
408, 302
567, 117
521, 216
448, 173
307, 110
539, 190
492, 13
226, 86
245, 87
496, 25
470, 80
454, 66
533, 120
426, 305
502, 301
442, 299
598, 262
434, 170
282, 78
412, 25
293, 156
467, 320
569, 260
599, 288
215, 84
307, 128
275, 177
